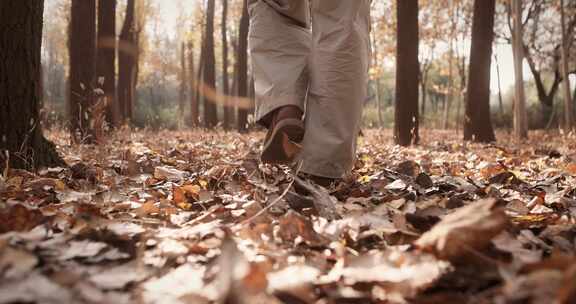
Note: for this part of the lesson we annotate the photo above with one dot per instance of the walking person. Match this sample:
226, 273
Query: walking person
310, 62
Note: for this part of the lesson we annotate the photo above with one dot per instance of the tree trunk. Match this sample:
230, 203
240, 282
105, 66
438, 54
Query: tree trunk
127, 56
209, 66
423, 86
228, 109
574, 96
520, 117
376, 80
82, 44
450, 97
194, 90
477, 123
106, 68
183, 85
378, 103
199, 87
21, 138
462, 92
451, 58
546, 97
568, 106
407, 70
134, 75
500, 99
242, 62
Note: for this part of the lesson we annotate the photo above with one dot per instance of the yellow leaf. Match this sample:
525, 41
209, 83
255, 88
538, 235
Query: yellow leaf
571, 168
364, 179
203, 183
59, 185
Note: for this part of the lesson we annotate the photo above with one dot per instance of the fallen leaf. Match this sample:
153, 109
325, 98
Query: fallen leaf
294, 226
117, 278
297, 281
180, 283
323, 201
148, 208
409, 168
15, 264
467, 229
35, 288
125, 230
19, 218
168, 173
404, 273
571, 169
397, 185
81, 249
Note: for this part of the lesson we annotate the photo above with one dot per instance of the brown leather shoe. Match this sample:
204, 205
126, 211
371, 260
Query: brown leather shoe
281, 145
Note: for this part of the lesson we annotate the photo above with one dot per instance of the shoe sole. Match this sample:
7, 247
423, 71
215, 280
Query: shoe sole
282, 145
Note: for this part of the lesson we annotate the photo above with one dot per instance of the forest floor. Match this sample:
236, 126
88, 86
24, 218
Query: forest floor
192, 217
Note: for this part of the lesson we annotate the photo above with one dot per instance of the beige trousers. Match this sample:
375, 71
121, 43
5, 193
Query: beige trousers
314, 55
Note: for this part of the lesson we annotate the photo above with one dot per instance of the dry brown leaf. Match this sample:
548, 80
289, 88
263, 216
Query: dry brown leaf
117, 278
81, 249
180, 283
46, 184
295, 281
19, 218
186, 193
168, 173
402, 273
323, 201
294, 226
16, 263
147, 209
36, 288
469, 228
571, 168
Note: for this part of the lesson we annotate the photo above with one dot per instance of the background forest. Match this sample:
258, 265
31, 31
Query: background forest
174, 52
131, 168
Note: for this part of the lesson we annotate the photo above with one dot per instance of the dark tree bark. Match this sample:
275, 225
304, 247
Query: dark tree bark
500, 99
228, 113
106, 68
546, 95
242, 66
127, 61
183, 84
199, 87
423, 80
407, 71
82, 45
209, 67
520, 115
574, 96
21, 138
568, 123
477, 122
463, 84
194, 92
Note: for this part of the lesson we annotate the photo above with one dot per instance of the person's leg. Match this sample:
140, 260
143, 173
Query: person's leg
279, 43
339, 78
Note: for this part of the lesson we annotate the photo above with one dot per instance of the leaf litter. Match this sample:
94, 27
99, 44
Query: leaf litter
174, 217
